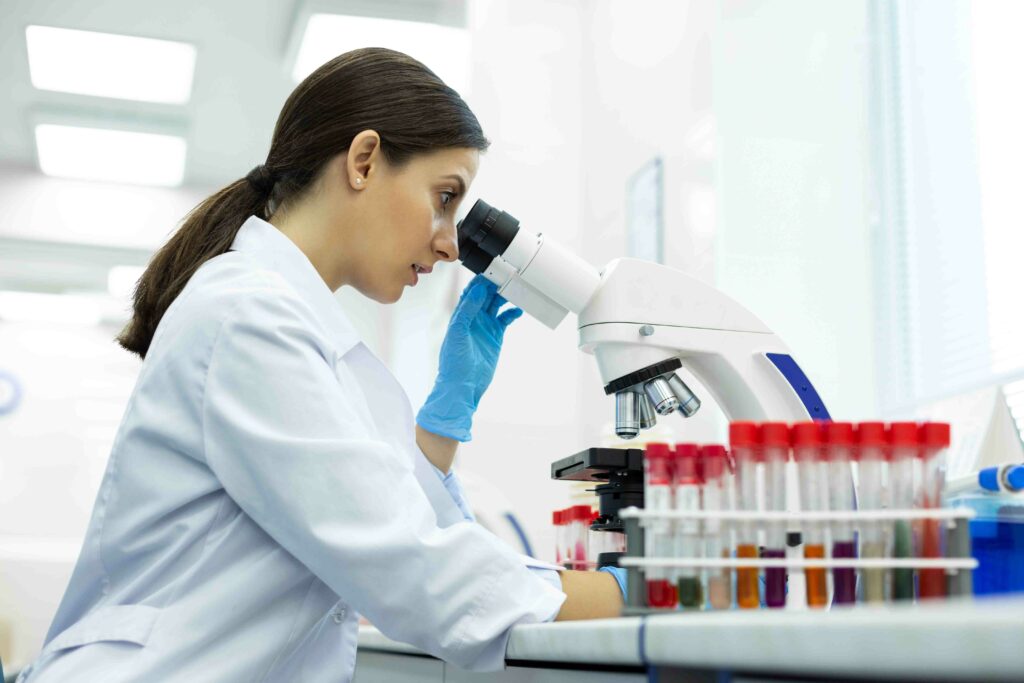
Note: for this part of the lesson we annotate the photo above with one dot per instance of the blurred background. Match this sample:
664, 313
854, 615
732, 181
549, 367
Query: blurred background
850, 171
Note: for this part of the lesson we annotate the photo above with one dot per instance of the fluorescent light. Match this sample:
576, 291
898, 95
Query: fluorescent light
110, 155
109, 65
21, 307
444, 49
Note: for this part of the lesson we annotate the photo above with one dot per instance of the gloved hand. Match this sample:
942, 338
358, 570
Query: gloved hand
469, 356
620, 577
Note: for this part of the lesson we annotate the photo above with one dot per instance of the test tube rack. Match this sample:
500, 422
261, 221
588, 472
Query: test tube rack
957, 564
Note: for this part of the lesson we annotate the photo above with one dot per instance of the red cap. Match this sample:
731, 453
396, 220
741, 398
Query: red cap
713, 458
556, 517
775, 434
657, 450
581, 513
903, 434
687, 463
839, 433
872, 435
806, 434
744, 434
934, 435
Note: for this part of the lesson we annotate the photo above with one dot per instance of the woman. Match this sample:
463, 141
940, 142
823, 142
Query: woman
267, 484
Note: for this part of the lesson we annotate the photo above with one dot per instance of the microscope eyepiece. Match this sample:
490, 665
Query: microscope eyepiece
485, 232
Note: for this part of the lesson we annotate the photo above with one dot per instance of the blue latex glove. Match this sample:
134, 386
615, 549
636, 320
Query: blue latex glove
469, 356
620, 577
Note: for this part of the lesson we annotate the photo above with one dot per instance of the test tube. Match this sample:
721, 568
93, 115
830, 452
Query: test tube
687, 498
658, 535
556, 521
902, 453
582, 515
839, 444
714, 498
744, 440
812, 473
872, 444
933, 440
775, 453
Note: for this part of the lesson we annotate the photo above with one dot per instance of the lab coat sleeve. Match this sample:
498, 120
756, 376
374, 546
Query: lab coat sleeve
285, 443
453, 485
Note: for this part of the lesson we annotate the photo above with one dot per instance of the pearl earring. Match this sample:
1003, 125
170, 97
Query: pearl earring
358, 180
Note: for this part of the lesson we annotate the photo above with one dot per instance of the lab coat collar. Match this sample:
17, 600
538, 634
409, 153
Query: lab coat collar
274, 249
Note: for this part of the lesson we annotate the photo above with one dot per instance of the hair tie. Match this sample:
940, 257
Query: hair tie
261, 179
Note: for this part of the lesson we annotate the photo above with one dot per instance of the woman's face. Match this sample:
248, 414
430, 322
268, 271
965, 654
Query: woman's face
404, 218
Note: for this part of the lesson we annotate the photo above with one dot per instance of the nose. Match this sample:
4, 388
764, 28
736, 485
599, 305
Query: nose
446, 245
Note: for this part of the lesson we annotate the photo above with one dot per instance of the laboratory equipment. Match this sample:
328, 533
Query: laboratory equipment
745, 442
659, 537
641, 321
556, 522
997, 540
775, 454
903, 456
812, 472
688, 533
620, 473
933, 440
715, 497
839, 445
870, 455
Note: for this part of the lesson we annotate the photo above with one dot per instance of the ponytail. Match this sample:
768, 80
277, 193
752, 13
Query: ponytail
411, 109
208, 231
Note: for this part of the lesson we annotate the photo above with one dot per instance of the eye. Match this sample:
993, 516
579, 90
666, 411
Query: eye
447, 198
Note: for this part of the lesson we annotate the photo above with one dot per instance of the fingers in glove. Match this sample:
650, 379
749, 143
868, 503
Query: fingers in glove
509, 315
475, 297
495, 303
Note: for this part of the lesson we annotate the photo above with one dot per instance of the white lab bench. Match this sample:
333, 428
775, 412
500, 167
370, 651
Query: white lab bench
978, 640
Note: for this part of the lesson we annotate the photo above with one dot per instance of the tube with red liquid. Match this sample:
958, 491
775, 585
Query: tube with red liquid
715, 498
839, 445
556, 520
745, 442
687, 498
872, 444
933, 439
812, 474
658, 533
775, 453
581, 518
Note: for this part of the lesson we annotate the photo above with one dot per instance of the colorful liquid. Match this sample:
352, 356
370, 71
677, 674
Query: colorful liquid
775, 579
903, 546
817, 588
691, 593
746, 580
874, 579
661, 593
931, 582
844, 580
720, 588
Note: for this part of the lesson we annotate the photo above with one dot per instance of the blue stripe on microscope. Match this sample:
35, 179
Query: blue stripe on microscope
801, 385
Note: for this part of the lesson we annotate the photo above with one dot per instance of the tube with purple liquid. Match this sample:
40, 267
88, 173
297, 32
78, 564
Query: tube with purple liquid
839, 444
775, 452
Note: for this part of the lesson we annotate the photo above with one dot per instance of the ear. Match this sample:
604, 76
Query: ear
364, 158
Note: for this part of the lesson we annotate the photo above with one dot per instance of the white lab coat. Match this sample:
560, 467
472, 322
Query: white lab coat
264, 489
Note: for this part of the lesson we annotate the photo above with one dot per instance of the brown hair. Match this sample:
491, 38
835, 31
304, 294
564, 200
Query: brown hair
371, 88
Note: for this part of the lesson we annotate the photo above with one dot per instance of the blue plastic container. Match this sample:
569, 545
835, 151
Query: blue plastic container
997, 541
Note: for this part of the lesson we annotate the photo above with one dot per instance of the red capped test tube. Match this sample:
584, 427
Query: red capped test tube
839, 446
715, 498
556, 521
745, 442
812, 474
581, 516
872, 445
658, 533
688, 531
902, 458
775, 453
933, 440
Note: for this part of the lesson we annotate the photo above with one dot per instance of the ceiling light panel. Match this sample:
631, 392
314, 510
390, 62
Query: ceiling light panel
110, 65
444, 49
111, 155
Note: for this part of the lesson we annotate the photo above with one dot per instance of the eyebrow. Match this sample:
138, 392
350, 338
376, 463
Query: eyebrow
459, 180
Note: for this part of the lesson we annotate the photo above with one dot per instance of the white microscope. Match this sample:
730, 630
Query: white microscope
643, 321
